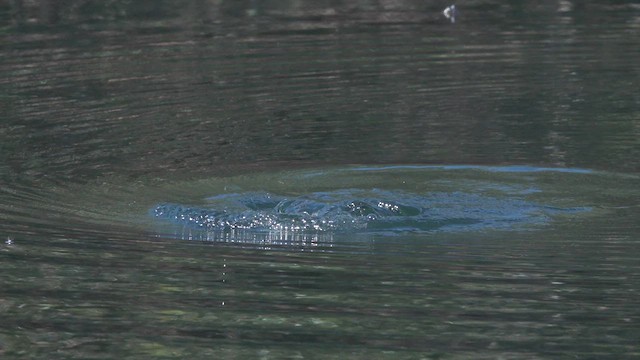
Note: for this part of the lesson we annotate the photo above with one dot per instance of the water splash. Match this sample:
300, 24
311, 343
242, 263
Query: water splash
358, 211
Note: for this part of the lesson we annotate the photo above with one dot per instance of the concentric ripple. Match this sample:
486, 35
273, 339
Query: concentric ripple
358, 210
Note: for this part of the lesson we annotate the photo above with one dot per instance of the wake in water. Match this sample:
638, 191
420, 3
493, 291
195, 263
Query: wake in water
356, 210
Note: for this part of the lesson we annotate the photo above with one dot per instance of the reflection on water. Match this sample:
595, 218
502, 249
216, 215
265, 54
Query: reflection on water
505, 84
111, 108
450, 12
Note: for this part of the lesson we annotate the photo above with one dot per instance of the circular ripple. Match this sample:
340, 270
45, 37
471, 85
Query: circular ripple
358, 210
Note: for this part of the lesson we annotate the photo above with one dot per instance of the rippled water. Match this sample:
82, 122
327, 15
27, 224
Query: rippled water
359, 210
304, 179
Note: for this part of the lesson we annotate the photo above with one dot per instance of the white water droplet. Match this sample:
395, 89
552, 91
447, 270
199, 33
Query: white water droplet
450, 13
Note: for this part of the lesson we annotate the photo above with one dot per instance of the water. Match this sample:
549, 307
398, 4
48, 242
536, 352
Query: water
433, 206
306, 179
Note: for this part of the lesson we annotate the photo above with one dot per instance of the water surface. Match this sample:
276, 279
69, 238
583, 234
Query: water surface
472, 187
415, 199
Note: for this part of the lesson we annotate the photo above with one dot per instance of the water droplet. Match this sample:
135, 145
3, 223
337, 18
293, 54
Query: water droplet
450, 13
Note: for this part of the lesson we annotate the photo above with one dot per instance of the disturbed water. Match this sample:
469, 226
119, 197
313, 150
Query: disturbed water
305, 179
359, 210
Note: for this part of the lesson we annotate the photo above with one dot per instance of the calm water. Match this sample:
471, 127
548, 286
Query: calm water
319, 179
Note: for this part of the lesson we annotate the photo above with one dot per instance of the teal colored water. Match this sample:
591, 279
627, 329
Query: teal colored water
351, 208
313, 179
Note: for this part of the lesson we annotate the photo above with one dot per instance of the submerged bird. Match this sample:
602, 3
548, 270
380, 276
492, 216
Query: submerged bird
450, 13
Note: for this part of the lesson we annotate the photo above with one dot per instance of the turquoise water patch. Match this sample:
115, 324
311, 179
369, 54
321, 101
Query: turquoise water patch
359, 211
359, 201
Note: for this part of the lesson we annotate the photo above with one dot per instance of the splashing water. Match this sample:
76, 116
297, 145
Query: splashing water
357, 210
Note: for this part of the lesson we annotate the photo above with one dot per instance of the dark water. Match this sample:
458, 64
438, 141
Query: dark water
319, 179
